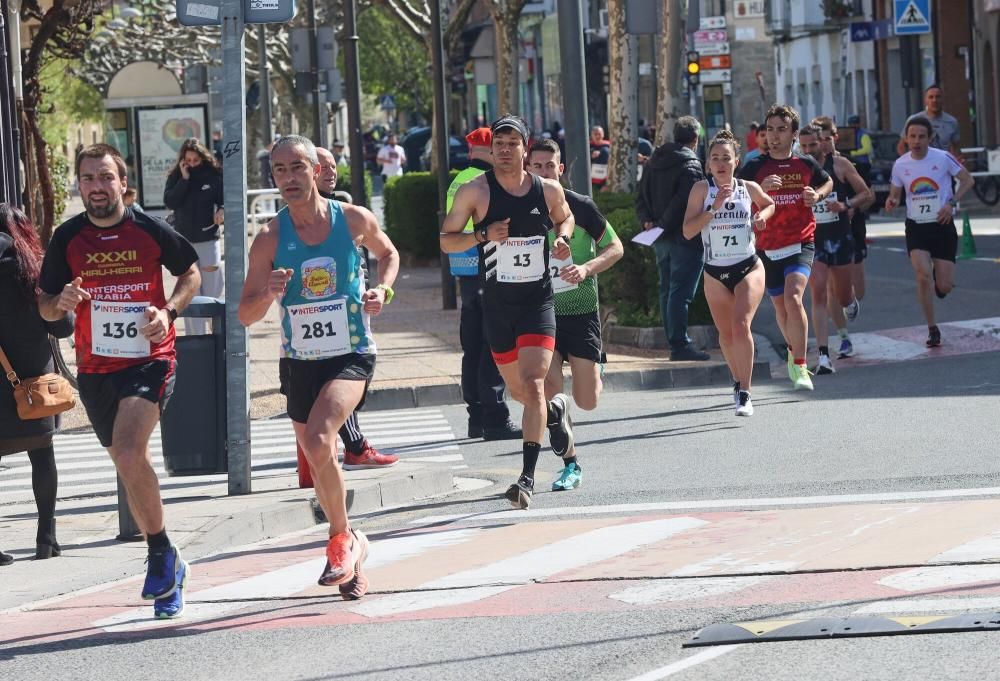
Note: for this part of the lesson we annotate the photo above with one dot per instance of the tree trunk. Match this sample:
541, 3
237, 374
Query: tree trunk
623, 58
669, 65
508, 61
41, 198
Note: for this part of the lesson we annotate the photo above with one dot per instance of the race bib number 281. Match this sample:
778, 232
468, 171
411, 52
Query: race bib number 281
320, 329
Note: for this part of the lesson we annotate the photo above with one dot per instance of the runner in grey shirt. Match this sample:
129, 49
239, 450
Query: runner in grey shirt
946, 132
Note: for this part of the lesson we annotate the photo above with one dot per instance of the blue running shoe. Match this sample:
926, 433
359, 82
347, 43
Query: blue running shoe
570, 477
162, 571
172, 606
846, 348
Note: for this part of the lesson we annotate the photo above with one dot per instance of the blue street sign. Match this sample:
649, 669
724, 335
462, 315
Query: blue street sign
882, 29
862, 31
387, 103
208, 12
913, 17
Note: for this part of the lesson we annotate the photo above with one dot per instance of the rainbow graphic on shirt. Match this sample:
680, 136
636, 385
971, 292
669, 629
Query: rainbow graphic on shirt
923, 185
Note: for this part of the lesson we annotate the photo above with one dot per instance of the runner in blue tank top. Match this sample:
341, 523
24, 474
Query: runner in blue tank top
307, 259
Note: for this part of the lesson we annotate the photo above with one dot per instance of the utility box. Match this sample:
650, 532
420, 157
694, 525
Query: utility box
193, 426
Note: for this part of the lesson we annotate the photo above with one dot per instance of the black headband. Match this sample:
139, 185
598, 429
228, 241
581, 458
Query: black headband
511, 122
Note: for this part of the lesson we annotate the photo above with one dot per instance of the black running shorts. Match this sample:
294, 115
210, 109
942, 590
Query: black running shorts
941, 241
579, 335
859, 230
775, 271
835, 247
512, 327
101, 393
302, 380
731, 275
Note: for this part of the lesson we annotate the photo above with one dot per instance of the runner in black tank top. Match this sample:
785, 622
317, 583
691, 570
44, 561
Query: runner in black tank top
513, 212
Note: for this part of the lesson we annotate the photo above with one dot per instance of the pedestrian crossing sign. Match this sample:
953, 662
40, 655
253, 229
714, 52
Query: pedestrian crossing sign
913, 17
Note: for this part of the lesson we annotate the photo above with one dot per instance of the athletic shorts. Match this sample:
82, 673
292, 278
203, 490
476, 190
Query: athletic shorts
512, 327
731, 275
941, 241
775, 271
835, 247
859, 230
302, 380
579, 335
101, 393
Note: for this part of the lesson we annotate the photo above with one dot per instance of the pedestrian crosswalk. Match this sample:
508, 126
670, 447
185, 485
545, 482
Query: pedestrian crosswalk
85, 469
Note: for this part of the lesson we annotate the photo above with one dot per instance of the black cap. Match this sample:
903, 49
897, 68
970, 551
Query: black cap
512, 122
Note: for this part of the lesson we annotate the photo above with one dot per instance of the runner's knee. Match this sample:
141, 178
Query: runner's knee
318, 444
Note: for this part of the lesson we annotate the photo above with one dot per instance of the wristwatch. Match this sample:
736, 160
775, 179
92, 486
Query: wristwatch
172, 314
389, 293
484, 232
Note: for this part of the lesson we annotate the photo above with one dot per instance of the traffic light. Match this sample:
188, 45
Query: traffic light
693, 68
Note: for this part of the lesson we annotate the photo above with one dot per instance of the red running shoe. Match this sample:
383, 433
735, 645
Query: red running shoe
368, 458
343, 552
357, 587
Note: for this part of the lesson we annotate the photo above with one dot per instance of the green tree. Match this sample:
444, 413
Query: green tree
394, 62
68, 100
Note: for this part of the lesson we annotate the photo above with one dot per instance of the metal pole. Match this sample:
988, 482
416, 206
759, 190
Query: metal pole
574, 89
235, 192
128, 529
314, 72
449, 300
8, 149
353, 95
265, 86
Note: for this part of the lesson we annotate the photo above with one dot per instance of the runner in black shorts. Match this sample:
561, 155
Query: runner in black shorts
594, 248
926, 175
106, 264
721, 209
513, 213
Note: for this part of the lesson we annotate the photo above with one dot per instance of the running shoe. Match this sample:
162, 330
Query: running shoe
801, 381
570, 477
561, 428
368, 458
846, 348
736, 393
358, 586
852, 310
933, 337
744, 407
343, 552
163, 570
504, 431
519, 494
172, 606
824, 366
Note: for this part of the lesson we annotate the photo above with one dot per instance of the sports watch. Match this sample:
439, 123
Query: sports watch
389, 293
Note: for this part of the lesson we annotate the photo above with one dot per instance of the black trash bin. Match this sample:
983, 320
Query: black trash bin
193, 426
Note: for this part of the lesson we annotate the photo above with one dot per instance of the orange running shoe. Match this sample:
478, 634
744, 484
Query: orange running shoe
345, 554
357, 587
368, 458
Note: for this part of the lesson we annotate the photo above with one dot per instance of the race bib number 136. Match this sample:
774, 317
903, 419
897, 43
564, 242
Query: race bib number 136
114, 329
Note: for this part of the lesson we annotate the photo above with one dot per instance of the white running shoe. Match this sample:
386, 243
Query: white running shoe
852, 310
824, 366
744, 407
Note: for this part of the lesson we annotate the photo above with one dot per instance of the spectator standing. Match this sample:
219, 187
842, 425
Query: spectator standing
861, 154
946, 134
391, 158
194, 192
24, 339
264, 164
666, 183
340, 154
600, 154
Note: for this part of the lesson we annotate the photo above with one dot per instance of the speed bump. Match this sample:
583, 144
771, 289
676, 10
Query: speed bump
765, 631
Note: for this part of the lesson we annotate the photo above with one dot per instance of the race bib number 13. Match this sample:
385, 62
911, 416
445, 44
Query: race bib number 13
114, 329
521, 260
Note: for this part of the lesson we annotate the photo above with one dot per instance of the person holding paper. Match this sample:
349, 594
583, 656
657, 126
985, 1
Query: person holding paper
663, 195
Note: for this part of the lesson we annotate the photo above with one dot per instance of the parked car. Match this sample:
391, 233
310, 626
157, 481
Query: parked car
413, 143
458, 154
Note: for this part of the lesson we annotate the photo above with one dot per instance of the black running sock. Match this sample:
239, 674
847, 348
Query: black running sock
350, 434
824, 350
531, 451
158, 541
736, 386
570, 460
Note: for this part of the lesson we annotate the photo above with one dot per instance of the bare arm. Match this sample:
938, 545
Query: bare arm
463, 209
965, 183
696, 218
895, 194
764, 203
261, 287
365, 230
185, 289
810, 195
562, 217
863, 194
606, 257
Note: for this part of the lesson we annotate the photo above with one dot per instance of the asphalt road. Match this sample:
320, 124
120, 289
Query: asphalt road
828, 503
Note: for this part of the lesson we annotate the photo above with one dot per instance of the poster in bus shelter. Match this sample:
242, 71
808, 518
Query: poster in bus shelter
161, 134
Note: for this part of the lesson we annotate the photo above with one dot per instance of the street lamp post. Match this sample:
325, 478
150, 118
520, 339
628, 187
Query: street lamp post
449, 300
574, 77
353, 95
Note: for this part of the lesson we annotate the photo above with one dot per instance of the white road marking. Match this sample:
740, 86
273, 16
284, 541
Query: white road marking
982, 548
670, 591
763, 502
538, 564
971, 604
939, 577
686, 663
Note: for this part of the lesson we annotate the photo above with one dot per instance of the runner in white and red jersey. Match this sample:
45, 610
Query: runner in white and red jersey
795, 183
106, 265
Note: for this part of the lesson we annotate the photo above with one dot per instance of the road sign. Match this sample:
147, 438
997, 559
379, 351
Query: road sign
387, 103
708, 23
716, 76
913, 17
748, 9
721, 61
208, 12
862, 31
710, 37
713, 48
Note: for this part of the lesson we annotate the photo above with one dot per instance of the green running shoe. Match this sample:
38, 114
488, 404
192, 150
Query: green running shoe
570, 477
801, 379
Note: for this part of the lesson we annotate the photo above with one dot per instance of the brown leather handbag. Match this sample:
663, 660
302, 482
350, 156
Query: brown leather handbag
41, 396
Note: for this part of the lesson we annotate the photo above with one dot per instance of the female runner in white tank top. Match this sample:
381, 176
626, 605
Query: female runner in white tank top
721, 209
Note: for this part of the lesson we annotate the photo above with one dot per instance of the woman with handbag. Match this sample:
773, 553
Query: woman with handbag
29, 388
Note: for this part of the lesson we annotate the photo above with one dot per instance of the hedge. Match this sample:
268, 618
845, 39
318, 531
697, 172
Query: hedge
632, 286
344, 182
411, 220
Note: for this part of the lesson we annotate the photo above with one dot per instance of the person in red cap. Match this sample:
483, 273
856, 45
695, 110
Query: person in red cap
482, 386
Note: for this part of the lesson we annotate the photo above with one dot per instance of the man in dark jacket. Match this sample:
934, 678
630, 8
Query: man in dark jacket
663, 195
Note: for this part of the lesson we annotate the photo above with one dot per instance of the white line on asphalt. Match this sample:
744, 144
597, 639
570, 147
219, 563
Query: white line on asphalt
468, 586
717, 503
971, 604
941, 576
444, 458
686, 663
685, 589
